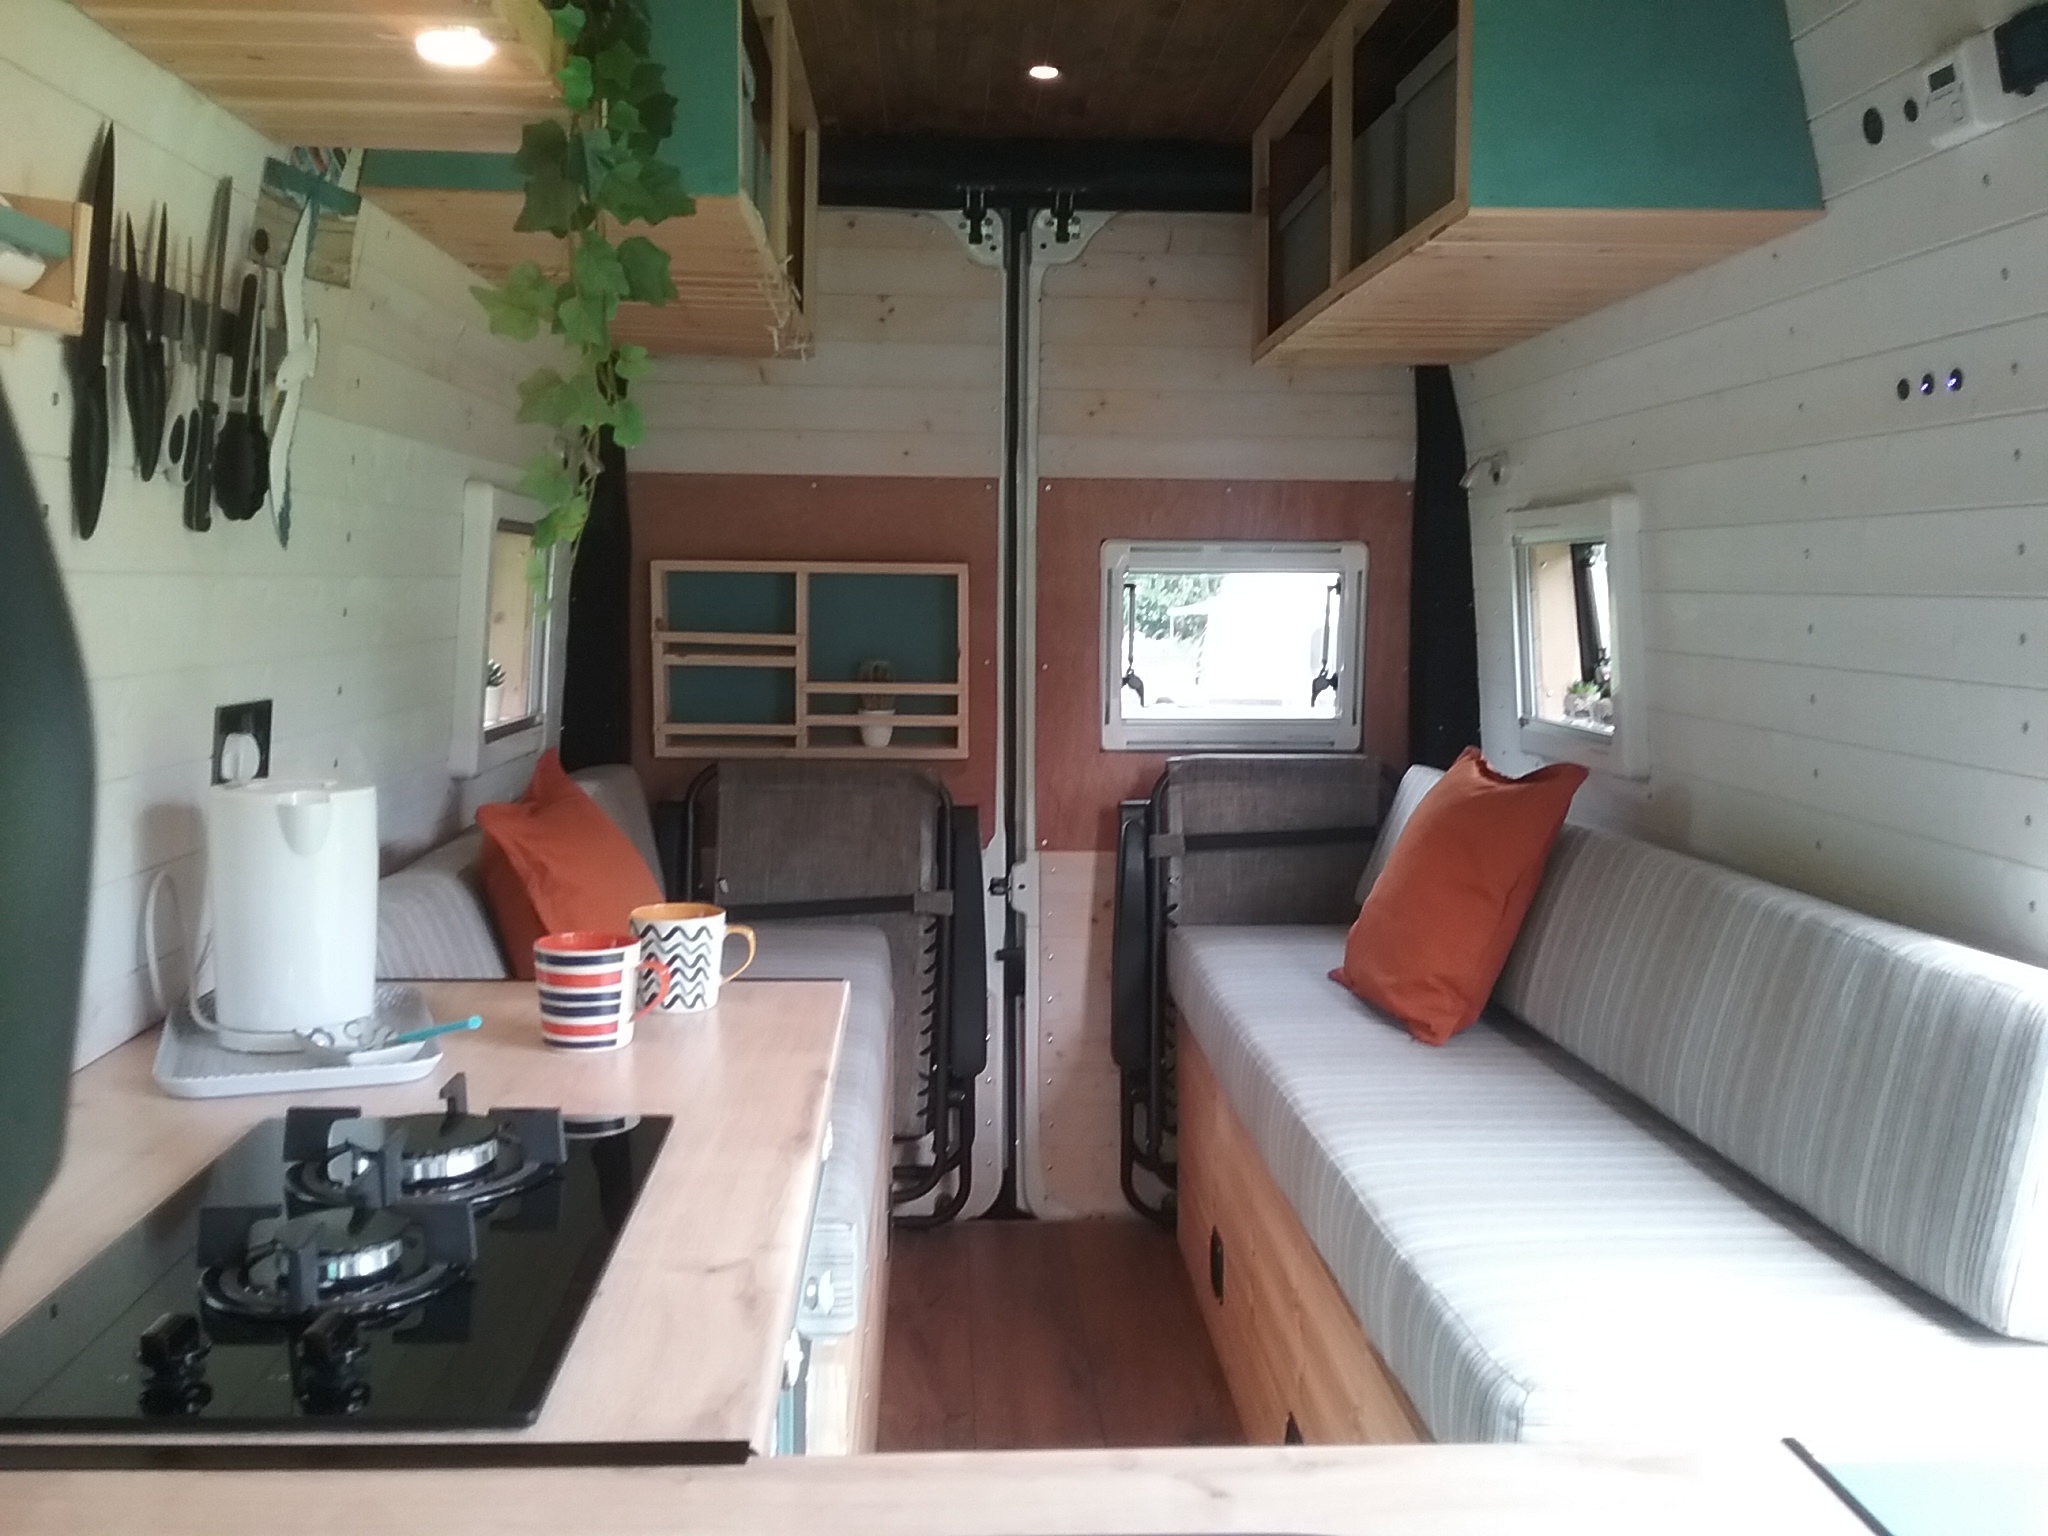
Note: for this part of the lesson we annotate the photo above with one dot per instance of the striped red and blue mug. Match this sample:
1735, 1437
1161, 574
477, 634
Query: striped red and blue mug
589, 986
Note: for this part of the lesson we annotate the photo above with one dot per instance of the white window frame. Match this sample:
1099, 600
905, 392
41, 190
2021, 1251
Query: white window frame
1617, 522
474, 749
1343, 733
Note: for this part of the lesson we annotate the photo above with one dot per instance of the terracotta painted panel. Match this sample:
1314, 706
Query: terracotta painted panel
796, 517
1079, 784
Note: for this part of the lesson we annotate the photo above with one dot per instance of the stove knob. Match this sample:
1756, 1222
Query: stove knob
332, 1343
173, 1346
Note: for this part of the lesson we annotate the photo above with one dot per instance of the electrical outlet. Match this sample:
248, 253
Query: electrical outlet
250, 719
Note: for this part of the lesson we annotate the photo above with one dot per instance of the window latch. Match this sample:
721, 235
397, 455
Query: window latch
1326, 680
1130, 679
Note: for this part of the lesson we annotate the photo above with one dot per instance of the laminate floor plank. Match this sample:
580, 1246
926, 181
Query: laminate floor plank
1010, 1335
1034, 1378
1157, 1379
928, 1348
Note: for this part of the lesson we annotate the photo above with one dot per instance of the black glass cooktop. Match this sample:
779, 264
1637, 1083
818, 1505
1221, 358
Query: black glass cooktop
424, 1273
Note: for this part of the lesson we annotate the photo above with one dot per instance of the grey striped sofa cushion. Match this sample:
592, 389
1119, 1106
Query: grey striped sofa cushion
1538, 1257
1888, 1082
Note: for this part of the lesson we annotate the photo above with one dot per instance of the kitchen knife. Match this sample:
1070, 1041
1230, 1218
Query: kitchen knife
236, 470
89, 354
200, 431
149, 438
135, 374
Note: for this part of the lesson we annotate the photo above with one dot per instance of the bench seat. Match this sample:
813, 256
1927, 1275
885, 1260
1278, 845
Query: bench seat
1537, 1256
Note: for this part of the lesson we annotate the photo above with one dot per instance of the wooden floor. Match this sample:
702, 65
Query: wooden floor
1011, 1335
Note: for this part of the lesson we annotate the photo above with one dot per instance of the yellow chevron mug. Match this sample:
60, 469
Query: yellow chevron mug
688, 937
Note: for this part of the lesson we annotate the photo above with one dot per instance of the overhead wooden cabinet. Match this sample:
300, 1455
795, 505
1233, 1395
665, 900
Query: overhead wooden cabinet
745, 143
1446, 177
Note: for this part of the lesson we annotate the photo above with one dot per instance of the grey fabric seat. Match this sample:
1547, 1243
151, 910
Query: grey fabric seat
1539, 1257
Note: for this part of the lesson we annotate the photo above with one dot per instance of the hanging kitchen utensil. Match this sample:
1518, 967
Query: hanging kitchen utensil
138, 375
301, 356
89, 353
149, 434
182, 365
204, 425
240, 471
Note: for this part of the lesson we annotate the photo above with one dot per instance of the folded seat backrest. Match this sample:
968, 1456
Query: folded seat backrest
1331, 802
791, 833
1889, 1082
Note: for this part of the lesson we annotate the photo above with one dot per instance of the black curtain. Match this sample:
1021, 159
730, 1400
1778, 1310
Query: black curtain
46, 811
1443, 636
597, 691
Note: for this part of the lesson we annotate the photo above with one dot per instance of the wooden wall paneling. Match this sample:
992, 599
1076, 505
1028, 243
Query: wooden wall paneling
1837, 579
1078, 1086
1291, 1347
347, 73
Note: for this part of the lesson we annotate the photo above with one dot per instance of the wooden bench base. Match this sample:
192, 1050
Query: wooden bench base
1298, 1364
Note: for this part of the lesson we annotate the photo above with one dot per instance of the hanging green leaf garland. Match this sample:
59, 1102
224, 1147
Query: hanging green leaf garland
585, 177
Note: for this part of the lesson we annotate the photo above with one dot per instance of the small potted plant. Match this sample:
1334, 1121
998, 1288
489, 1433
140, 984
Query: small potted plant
494, 690
1578, 702
877, 710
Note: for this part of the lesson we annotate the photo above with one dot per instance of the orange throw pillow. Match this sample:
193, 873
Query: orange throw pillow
553, 862
1436, 929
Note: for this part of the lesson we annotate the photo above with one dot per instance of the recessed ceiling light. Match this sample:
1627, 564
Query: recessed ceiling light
454, 47
1044, 71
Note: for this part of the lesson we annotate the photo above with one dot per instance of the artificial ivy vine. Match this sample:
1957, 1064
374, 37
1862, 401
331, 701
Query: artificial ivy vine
585, 176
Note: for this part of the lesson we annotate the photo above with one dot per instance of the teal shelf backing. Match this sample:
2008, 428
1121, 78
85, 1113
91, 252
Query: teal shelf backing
1638, 104
731, 696
911, 621
33, 235
737, 602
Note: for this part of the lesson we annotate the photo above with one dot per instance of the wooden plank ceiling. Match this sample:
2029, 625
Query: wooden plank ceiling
1167, 69
344, 72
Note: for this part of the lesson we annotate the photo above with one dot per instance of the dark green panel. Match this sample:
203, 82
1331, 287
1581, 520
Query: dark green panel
741, 602
911, 622
442, 170
698, 43
46, 828
731, 696
1638, 104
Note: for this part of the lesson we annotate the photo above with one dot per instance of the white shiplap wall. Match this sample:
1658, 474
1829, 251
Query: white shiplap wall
350, 631
1146, 370
905, 375
1845, 596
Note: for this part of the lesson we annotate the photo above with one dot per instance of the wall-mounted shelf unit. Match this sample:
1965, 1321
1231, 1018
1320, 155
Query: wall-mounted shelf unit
56, 301
764, 659
746, 147
1446, 177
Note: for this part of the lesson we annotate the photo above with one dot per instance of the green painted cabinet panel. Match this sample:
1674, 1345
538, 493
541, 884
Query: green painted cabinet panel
1637, 104
698, 43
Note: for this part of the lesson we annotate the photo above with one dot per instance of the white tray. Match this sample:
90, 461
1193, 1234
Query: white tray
192, 1064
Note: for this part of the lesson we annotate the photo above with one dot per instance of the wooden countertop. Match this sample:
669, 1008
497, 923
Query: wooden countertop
683, 1339
1364, 1491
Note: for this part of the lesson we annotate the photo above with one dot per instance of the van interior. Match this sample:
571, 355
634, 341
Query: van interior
1017, 767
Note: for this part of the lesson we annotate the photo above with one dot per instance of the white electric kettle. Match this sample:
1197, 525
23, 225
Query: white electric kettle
292, 870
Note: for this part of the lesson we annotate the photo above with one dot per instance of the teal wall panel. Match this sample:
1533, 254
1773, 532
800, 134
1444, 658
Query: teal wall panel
912, 622
698, 43
731, 695
1638, 104
746, 602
